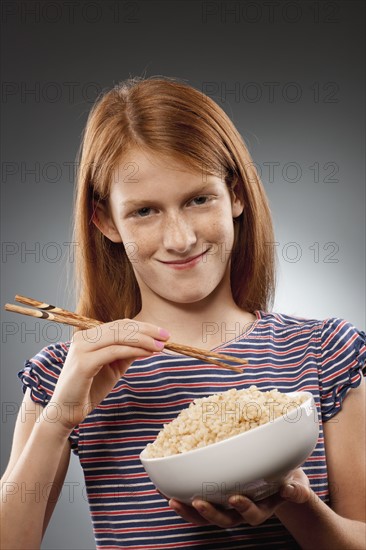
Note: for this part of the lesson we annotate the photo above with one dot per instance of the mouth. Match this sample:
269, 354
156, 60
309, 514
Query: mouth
188, 262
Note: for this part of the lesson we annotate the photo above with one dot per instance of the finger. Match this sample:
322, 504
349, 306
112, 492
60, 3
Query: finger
223, 518
267, 505
107, 341
300, 476
121, 331
295, 492
112, 355
255, 513
187, 512
249, 512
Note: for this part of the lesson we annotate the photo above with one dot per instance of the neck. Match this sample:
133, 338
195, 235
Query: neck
206, 324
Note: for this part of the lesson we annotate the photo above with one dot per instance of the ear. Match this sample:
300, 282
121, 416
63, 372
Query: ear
237, 204
103, 221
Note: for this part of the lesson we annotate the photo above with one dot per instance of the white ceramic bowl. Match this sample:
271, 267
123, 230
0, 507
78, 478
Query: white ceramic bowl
253, 463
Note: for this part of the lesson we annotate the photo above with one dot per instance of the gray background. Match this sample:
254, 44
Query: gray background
290, 74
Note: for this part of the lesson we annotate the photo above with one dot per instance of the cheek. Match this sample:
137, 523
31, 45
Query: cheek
222, 234
132, 252
221, 231
133, 240
139, 248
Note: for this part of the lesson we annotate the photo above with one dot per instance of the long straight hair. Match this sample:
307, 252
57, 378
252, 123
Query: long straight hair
165, 116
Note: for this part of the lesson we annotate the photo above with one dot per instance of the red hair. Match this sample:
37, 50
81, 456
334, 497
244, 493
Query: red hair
168, 117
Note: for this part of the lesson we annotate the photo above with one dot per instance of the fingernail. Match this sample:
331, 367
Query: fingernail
288, 490
239, 502
159, 344
199, 506
164, 333
236, 500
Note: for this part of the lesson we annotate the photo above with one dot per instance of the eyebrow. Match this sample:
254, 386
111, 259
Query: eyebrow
148, 202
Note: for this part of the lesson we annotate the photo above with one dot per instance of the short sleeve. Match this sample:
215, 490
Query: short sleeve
40, 375
342, 364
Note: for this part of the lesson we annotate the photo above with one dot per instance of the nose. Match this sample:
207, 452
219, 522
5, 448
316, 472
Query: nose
178, 234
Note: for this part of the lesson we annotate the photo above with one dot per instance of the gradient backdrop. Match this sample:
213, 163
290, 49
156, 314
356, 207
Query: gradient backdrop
291, 76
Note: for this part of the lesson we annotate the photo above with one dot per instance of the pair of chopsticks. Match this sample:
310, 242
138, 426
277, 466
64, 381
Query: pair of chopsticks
59, 315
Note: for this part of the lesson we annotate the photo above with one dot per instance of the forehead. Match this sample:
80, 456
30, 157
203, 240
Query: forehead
139, 167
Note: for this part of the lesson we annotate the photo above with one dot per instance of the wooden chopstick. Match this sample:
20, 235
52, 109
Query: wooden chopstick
50, 315
59, 315
48, 307
170, 345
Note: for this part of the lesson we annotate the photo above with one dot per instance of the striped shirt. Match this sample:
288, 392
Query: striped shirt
288, 353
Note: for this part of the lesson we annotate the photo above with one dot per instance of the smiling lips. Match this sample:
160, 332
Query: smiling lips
183, 264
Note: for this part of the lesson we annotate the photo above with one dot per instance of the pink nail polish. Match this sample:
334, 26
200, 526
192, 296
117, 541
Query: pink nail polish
164, 333
159, 344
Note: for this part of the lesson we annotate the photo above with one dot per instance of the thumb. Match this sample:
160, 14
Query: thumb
295, 492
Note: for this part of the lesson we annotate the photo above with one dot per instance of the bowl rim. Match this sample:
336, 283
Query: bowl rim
224, 441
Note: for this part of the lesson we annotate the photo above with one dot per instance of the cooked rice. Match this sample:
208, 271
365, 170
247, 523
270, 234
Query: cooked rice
211, 419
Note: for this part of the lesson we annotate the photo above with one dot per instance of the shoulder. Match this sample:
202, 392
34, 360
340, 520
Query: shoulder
50, 357
288, 324
335, 338
40, 373
336, 330
329, 327
342, 347
334, 346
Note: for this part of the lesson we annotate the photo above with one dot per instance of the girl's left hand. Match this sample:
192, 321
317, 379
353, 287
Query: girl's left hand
296, 489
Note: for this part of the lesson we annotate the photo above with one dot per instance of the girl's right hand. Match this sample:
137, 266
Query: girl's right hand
96, 360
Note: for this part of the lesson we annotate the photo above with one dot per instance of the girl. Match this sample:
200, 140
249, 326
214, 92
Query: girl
174, 241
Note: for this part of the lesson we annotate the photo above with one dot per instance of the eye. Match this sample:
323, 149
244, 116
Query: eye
200, 197
142, 212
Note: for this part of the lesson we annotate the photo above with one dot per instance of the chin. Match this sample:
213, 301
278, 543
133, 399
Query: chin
189, 297
193, 300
